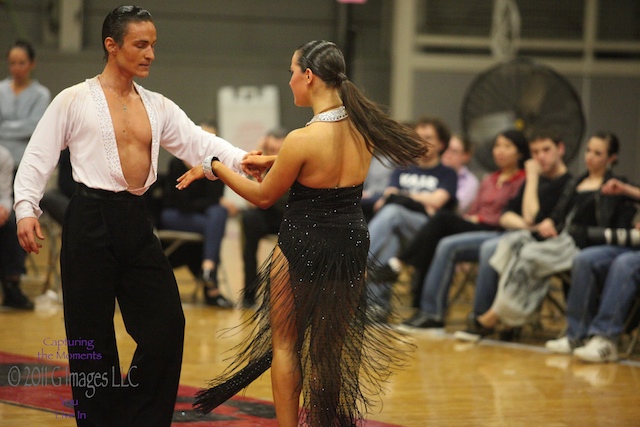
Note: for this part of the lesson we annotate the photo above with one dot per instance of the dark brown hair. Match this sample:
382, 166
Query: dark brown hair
441, 128
26, 46
397, 142
115, 24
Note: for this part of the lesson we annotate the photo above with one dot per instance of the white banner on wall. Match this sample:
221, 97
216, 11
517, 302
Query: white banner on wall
245, 115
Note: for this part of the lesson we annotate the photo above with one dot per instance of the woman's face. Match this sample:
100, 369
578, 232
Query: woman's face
505, 153
298, 83
20, 66
597, 156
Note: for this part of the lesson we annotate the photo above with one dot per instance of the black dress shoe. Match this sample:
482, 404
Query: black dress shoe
212, 295
422, 320
218, 301
13, 296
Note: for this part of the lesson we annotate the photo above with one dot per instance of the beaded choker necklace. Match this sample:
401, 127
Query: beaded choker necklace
333, 115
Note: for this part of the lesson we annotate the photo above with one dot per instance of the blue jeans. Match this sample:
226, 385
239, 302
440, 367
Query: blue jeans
604, 283
487, 278
389, 230
211, 224
450, 250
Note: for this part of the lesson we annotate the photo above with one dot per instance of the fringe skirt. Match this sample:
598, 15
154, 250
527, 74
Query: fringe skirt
313, 290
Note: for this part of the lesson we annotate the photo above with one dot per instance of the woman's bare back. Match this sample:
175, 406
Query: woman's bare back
335, 155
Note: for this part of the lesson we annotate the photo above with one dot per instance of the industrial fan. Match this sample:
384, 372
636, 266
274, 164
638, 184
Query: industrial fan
525, 95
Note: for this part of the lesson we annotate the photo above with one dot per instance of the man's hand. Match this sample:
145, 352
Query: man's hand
547, 229
28, 230
532, 168
193, 174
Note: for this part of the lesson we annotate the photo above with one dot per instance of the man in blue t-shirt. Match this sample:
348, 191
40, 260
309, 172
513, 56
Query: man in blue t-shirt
413, 194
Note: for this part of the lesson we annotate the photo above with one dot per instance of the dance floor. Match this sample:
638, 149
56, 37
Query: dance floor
447, 383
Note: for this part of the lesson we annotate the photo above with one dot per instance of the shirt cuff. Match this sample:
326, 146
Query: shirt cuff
25, 209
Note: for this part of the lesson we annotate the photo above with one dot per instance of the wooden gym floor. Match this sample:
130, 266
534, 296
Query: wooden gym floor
448, 383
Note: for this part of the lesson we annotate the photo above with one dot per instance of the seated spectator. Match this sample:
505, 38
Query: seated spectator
510, 151
374, 185
202, 210
413, 195
457, 156
23, 100
546, 180
258, 223
12, 256
605, 280
198, 209
526, 259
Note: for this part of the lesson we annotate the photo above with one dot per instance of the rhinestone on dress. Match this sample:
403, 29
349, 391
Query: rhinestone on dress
334, 115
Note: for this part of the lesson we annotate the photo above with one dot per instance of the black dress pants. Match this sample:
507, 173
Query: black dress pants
256, 224
109, 253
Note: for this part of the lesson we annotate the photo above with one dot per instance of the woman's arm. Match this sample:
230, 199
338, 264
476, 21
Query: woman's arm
616, 187
284, 171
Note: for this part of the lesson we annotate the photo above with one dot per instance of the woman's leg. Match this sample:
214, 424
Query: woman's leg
487, 278
286, 374
489, 319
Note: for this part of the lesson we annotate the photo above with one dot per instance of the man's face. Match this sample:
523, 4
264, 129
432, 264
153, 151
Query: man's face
547, 154
135, 55
429, 135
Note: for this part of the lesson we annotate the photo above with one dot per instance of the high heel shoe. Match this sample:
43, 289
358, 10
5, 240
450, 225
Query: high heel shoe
212, 295
475, 330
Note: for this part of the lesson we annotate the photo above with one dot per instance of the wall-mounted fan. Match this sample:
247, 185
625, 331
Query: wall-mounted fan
525, 95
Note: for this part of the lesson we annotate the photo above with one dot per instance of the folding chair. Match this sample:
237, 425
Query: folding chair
172, 240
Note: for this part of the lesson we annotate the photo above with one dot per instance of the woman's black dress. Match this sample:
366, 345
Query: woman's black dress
346, 356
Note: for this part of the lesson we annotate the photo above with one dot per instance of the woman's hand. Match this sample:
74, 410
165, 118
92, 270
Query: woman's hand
613, 187
191, 175
255, 165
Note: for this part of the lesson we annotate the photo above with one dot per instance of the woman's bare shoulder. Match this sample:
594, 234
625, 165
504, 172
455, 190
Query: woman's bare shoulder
300, 138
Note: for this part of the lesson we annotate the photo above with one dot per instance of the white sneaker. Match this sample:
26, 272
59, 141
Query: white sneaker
560, 346
599, 349
467, 336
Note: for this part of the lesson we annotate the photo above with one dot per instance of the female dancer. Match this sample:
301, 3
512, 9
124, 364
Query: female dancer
313, 327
